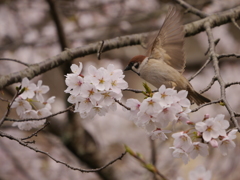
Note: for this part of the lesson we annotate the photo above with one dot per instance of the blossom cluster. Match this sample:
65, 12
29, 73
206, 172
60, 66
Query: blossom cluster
156, 112
167, 106
31, 104
210, 131
96, 92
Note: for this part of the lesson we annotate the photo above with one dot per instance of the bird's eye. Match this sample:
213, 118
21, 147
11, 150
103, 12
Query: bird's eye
136, 65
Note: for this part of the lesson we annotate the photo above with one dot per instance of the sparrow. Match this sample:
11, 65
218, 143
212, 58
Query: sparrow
165, 61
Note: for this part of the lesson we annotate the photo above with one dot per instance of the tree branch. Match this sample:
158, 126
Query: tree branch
42, 118
191, 9
2, 134
14, 60
118, 42
218, 76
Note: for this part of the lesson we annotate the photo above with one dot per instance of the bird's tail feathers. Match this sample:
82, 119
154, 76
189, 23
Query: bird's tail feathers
193, 96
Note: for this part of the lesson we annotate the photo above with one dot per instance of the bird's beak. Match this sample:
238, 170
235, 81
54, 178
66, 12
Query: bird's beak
128, 68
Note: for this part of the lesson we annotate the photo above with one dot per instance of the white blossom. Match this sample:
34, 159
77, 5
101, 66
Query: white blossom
209, 128
21, 105
199, 148
151, 106
27, 125
33, 94
29, 88
134, 106
40, 90
213, 127
48, 102
227, 144
74, 83
213, 143
167, 95
183, 101
116, 79
76, 69
159, 134
180, 153
183, 141
91, 92
95, 92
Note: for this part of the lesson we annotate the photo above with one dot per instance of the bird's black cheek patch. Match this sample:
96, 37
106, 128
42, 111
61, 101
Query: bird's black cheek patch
136, 65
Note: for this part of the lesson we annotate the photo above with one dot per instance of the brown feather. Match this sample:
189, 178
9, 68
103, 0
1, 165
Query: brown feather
168, 45
194, 96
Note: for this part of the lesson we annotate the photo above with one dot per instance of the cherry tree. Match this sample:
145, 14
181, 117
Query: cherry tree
65, 97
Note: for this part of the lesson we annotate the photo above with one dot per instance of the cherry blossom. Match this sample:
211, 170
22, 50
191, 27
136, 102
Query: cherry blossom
182, 140
151, 106
95, 92
76, 69
213, 143
40, 90
116, 79
91, 92
182, 116
159, 134
182, 98
29, 88
213, 127
74, 83
134, 106
227, 144
27, 125
167, 95
168, 114
109, 96
21, 105
210, 129
34, 94
180, 153
199, 148
48, 102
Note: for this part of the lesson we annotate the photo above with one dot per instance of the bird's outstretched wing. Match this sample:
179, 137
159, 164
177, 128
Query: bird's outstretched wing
169, 42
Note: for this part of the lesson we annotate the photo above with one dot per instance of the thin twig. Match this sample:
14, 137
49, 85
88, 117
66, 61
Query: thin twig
100, 48
122, 104
232, 83
15, 60
2, 134
200, 70
191, 9
9, 107
39, 119
133, 90
235, 23
215, 42
35, 133
206, 104
6, 100
209, 85
222, 84
228, 55
137, 91
148, 166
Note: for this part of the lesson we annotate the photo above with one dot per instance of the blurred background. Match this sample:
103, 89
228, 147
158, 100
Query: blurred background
34, 30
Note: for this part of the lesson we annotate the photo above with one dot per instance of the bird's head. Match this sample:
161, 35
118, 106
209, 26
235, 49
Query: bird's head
136, 64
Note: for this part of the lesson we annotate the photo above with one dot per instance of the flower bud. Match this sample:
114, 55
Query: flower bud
214, 143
